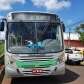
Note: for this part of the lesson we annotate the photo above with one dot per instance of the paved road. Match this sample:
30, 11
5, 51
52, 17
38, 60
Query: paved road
74, 75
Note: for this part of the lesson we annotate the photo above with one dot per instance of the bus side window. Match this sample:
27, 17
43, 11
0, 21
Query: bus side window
1, 25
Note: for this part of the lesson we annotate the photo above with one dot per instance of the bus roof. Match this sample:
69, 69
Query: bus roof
32, 16
33, 12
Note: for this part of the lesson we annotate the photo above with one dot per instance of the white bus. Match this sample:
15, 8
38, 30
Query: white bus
33, 44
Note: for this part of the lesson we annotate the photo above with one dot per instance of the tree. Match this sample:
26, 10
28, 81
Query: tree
80, 31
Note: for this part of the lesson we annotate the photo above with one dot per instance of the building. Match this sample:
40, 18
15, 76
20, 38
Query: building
72, 40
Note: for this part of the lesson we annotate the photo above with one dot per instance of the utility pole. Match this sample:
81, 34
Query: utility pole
69, 38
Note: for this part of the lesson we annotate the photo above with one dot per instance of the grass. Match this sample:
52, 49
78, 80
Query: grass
1, 52
1, 48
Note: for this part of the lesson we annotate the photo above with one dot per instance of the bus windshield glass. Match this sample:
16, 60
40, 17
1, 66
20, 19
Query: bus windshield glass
34, 37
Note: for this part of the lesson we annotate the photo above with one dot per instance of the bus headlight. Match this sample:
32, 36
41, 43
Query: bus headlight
10, 58
13, 58
61, 59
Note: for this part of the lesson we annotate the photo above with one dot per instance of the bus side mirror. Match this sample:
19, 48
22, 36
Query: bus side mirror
63, 26
1, 25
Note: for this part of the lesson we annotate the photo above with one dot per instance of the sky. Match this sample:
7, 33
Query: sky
70, 11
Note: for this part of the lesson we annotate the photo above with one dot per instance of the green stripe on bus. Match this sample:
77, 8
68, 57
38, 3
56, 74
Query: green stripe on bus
34, 64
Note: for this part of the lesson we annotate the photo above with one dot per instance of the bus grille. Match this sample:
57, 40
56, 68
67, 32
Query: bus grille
35, 62
41, 62
30, 72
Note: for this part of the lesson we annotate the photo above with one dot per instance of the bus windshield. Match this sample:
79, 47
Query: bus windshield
34, 37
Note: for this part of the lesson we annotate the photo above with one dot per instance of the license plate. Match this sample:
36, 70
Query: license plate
37, 71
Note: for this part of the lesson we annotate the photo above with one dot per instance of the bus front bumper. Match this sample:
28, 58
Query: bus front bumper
11, 71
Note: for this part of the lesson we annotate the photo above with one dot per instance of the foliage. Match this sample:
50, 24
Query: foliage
82, 36
1, 48
80, 30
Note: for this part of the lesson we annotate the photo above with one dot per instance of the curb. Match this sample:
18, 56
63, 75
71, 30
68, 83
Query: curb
2, 68
2, 72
